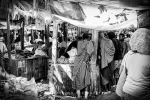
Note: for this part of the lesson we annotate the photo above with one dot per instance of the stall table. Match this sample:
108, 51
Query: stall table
36, 67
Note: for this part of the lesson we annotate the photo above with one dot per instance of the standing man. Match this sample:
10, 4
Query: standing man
124, 46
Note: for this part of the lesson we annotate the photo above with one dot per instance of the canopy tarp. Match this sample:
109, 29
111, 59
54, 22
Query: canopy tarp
129, 4
100, 26
103, 17
70, 10
93, 14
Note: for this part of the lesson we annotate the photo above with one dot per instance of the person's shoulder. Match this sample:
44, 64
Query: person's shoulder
129, 52
115, 40
81, 41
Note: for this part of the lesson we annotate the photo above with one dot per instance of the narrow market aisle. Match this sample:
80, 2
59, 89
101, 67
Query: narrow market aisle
112, 96
73, 98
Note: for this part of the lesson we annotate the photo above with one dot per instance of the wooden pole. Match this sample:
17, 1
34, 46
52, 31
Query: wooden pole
8, 34
54, 53
94, 67
95, 40
22, 35
47, 36
54, 42
78, 31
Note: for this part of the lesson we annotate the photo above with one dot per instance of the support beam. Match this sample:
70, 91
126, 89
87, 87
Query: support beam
54, 53
94, 68
22, 35
78, 32
32, 36
54, 42
47, 36
95, 40
8, 34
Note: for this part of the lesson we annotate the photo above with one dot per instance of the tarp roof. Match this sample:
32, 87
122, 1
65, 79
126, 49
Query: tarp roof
83, 12
92, 16
129, 4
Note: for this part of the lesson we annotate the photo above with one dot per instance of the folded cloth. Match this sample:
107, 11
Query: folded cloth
107, 52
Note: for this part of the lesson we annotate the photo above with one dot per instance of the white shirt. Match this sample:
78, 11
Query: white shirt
72, 53
138, 75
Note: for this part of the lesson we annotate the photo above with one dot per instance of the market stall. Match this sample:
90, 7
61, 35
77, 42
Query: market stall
50, 25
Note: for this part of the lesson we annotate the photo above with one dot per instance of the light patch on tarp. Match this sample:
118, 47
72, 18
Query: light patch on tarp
101, 26
111, 17
70, 10
95, 16
129, 4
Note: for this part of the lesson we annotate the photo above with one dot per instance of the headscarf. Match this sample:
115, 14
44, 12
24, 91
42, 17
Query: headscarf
140, 41
107, 51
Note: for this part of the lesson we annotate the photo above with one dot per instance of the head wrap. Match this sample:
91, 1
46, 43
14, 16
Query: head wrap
140, 41
85, 36
111, 35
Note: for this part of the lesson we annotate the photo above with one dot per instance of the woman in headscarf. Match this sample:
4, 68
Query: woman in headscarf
107, 50
134, 81
81, 71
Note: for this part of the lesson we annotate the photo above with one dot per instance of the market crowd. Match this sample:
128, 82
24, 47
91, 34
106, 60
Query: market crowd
123, 61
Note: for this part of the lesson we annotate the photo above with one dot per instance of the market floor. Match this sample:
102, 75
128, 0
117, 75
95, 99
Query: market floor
112, 96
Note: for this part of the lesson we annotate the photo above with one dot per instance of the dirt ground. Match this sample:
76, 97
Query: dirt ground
112, 96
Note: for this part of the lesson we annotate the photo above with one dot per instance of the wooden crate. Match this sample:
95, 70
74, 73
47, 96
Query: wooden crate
37, 67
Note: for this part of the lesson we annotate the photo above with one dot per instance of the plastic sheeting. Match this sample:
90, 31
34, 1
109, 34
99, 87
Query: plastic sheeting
108, 18
70, 10
129, 4
100, 25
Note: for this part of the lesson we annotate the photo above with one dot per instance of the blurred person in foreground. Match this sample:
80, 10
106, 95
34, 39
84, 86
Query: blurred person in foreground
134, 81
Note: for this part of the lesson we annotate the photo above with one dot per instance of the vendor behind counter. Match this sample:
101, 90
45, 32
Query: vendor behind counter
39, 51
73, 44
70, 53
